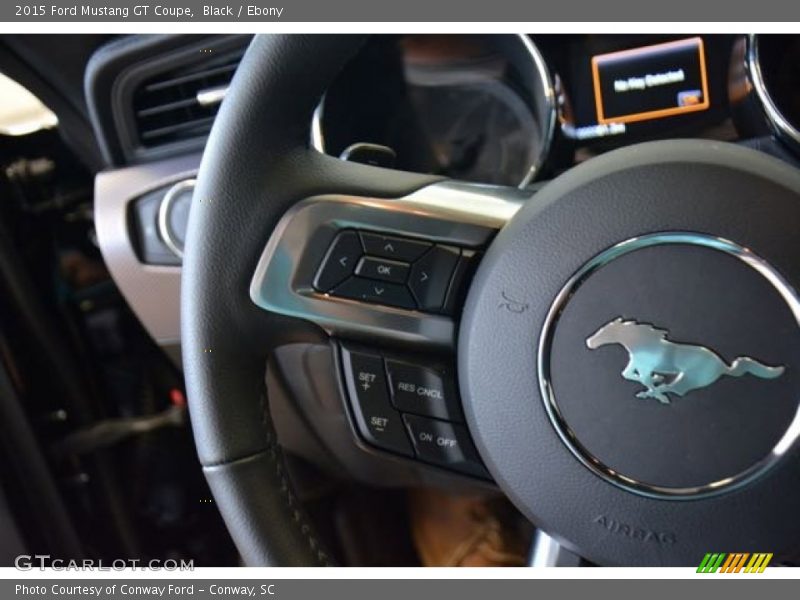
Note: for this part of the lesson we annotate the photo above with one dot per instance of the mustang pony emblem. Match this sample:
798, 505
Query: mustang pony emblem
667, 367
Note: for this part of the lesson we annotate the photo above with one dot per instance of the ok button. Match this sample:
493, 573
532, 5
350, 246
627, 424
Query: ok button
382, 269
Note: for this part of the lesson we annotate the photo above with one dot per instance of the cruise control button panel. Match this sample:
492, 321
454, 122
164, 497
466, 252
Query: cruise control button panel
395, 271
409, 409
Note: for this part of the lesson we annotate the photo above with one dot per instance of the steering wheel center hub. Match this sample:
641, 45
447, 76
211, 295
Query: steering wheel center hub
649, 382
631, 342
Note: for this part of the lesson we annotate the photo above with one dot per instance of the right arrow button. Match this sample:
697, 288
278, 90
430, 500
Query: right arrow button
430, 276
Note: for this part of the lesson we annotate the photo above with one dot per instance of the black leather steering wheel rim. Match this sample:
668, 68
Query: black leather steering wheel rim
256, 165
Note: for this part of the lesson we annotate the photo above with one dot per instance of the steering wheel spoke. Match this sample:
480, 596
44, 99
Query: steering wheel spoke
382, 269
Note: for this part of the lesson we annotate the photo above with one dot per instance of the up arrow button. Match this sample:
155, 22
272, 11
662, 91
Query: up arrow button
401, 249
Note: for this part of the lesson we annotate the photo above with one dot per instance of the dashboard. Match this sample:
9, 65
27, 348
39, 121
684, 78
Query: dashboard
511, 110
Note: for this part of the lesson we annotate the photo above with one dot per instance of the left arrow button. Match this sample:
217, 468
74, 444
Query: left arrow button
339, 262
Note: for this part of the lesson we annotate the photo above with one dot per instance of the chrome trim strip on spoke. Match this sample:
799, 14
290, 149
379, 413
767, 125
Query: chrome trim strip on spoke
779, 124
547, 552
448, 212
548, 126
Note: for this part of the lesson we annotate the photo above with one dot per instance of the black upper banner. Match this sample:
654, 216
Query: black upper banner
444, 11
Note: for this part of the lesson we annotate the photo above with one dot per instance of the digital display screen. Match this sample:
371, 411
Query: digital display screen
650, 82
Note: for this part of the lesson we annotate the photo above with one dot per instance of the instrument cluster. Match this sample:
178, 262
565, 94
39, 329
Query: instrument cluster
512, 109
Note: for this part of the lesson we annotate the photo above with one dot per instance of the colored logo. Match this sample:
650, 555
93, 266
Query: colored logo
665, 367
738, 562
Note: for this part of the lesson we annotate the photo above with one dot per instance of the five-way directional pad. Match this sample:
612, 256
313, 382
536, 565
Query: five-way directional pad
394, 271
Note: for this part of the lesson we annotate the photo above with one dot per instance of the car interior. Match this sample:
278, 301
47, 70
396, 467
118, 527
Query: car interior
400, 300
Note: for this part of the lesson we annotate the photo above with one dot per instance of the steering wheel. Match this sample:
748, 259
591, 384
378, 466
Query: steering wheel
628, 351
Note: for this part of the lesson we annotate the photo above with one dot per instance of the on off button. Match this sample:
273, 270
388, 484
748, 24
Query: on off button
444, 444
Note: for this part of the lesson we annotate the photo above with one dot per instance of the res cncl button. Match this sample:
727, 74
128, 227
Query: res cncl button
423, 391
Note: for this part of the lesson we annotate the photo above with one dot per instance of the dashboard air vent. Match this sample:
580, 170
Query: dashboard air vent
181, 104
